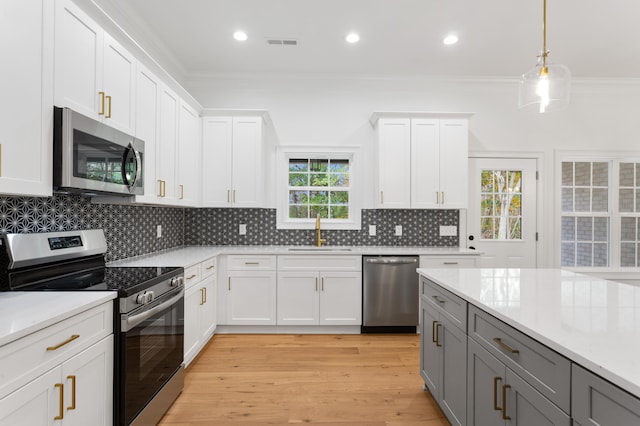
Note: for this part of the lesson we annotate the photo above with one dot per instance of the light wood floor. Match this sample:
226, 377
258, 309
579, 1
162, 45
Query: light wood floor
369, 379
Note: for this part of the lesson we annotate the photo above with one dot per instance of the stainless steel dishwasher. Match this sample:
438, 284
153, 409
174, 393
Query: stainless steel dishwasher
390, 295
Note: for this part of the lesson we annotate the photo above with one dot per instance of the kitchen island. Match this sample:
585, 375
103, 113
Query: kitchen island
550, 327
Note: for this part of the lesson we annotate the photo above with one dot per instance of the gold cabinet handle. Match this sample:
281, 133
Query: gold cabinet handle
101, 112
251, 263
442, 197
433, 331
162, 188
438, 344
109, 108
381, 197
437, 299
205, 294
495, 393
505, 346
181, 192
202, 296
322, 284
228, 196
190, 277
316, 283
210, 267
234, 196
449, 263
73, 393
437, 197
229, 283
59, 345
504, 402
60, 387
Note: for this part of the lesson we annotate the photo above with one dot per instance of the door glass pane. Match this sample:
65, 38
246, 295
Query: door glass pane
501, 204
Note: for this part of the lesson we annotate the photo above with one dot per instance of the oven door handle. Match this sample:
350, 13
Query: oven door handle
132, 321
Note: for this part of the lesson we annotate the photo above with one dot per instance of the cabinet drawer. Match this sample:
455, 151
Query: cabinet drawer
208, 267
544, 369
251, 263
447, 262
454, 307
319, 263
32, 355
192, 275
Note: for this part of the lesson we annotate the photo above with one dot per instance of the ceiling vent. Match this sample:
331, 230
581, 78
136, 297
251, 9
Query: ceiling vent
282, 42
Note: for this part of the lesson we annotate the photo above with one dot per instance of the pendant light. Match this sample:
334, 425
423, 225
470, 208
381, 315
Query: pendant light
546, 86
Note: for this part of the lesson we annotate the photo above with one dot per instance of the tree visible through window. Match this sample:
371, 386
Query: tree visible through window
318, 186
501, 205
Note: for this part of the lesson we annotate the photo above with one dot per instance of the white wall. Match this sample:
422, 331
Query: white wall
321, 110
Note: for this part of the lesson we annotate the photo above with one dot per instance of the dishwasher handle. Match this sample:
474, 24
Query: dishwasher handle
392, 260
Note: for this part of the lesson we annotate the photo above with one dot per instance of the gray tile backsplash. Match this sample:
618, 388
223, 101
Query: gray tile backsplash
131, 229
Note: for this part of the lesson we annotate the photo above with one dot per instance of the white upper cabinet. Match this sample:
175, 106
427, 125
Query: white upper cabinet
421, 160
232, 161
26, 85
188, 172
94, 75
167, 147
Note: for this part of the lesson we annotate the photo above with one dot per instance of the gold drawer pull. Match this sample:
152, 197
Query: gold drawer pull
251, 263
437, 299
73, 393
504, 402
495, 393
433, 331
60, 387
59, 345
192, 276
438, 344
210, 267
505, 346
101, 112
109, 108
449, 263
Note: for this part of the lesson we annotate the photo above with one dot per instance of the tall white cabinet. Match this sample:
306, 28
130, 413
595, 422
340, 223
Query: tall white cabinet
421, 160
233, 152
26, 85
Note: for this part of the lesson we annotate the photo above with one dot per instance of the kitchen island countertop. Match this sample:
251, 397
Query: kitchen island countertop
591, 321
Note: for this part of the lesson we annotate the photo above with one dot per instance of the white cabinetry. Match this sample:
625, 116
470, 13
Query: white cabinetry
26, 85
188, 167
166, 147
233, 160
94, 75
319, 290
63, 372
421, 160
200, 307
251, 290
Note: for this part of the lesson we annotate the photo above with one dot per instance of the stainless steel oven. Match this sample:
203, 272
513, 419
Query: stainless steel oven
91, 157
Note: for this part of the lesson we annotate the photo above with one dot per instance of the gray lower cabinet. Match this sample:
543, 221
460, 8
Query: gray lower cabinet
443, 362
594, 401
498, 396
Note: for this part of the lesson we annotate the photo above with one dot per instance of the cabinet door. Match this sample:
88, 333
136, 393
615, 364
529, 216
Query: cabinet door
167, 145
192, 313
147, 108
453, 397
118, 84
454, 163
251, 297
393, 160
298, 298
528, 407
217, 139
88, 386
188, 157
36, 403
26, 85
247, 179
429, 351
209, 311
486, 375
594, 401
425, 163
78, 60
340, 298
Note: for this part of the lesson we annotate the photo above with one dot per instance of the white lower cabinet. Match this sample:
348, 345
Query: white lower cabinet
76, 387
200, 307
251, 290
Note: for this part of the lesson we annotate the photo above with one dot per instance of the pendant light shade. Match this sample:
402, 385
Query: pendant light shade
546, 87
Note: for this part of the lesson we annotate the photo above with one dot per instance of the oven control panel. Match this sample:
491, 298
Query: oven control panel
57, 243
145, 297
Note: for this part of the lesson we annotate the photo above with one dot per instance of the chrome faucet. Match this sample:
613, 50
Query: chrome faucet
319, 240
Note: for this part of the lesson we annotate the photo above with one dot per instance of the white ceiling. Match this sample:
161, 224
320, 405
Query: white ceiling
498, 38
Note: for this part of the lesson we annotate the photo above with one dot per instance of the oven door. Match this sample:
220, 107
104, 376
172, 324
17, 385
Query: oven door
150, 352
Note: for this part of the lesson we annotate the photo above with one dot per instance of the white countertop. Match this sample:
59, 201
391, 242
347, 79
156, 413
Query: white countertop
190, 255
593, 322
24, 312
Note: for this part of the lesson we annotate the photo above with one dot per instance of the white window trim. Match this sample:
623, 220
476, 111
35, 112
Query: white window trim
284, 153
614, 158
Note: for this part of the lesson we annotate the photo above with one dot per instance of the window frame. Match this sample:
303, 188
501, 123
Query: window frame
614, 159
285, 153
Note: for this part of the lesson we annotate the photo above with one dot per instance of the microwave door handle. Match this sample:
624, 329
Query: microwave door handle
138, 167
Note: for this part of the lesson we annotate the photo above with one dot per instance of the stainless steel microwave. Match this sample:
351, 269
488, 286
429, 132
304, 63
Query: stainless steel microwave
91, 157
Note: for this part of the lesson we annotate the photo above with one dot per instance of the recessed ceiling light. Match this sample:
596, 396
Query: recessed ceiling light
352, 38
240, 36
450, 39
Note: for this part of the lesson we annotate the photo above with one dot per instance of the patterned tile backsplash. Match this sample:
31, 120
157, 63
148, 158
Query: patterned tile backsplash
131, 230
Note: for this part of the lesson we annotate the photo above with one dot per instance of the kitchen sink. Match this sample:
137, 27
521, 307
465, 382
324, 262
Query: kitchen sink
314, 249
